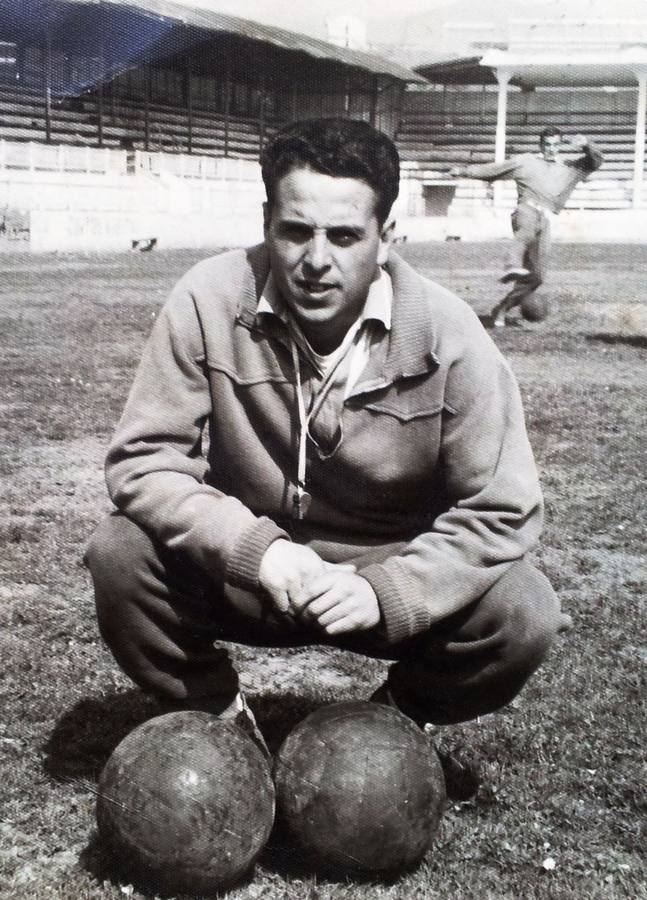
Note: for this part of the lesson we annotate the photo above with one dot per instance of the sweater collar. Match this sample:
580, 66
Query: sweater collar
407, 350
378, 303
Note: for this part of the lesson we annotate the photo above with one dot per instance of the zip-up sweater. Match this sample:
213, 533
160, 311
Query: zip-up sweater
432, 493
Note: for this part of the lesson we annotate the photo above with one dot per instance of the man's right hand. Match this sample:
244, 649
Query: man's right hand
287, 567
284, 568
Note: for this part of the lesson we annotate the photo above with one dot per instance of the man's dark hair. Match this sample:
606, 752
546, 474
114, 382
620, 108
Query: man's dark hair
549, 131
343, 148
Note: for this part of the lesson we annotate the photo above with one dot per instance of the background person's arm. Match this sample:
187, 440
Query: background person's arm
486, 171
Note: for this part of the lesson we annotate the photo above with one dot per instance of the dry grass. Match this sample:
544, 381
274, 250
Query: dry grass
562, 765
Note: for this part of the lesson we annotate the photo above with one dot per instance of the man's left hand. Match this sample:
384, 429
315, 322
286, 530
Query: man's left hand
337, 602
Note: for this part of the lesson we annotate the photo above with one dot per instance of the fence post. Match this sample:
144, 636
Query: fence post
3, 155
30, 156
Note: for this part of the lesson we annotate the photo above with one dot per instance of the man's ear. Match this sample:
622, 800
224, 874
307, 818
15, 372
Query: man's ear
386, 239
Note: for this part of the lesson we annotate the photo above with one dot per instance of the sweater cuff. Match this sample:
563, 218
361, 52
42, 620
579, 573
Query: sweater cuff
402, 617
245, 559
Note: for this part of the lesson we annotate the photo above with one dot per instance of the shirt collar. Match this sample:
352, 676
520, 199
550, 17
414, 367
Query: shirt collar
378, 305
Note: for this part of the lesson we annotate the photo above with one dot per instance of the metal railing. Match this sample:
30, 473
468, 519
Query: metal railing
34, 157
182, 165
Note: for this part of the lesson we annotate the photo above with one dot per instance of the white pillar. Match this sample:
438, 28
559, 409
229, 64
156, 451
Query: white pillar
639, 149
503, 77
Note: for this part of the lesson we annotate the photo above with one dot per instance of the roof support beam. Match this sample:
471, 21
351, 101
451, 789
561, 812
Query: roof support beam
188, 100
147, 107
375, 99
100, 94
639, 149
503, 76
227, 99
261, 112
47, 53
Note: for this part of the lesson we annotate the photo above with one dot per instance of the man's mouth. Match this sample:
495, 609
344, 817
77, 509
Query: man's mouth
315, 287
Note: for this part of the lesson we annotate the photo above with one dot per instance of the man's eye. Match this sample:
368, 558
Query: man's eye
298, 234
342, 238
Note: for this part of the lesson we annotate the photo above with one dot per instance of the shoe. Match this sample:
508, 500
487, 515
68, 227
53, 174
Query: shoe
462, 780
514, 274
237, 711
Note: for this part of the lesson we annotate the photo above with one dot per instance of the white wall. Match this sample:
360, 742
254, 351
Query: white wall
215, 204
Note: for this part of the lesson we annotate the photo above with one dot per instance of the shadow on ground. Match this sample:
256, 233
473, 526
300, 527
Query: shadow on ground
85, 736
283, 857
104, 866
633, 340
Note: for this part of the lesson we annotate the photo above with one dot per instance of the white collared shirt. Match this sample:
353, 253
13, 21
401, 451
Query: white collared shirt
374, 317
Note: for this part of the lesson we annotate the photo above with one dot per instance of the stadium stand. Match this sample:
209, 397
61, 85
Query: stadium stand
75, 121
438, 131
92, 94
490, 99
192, 81
183, 98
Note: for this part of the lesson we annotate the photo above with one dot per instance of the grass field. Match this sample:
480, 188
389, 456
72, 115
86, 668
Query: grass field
559, 812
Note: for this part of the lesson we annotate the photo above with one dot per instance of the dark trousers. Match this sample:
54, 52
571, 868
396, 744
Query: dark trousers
160, 618
530, 250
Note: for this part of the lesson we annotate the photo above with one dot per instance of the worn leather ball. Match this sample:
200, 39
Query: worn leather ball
359, 788
185, 803
534, 307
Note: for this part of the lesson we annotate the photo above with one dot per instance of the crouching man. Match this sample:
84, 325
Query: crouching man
368, 481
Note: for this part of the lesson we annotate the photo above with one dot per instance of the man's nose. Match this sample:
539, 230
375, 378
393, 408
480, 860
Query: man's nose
317, 255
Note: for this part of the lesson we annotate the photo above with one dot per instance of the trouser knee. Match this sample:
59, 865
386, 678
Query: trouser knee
155, 613
526, 614
479, 659
118, 555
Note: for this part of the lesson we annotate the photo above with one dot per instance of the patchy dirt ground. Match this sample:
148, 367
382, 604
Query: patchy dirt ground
560, 811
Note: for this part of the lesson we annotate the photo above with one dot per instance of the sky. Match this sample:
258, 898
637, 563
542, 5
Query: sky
383, 17
311, 18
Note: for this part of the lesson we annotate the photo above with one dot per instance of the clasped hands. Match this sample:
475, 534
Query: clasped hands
328, 596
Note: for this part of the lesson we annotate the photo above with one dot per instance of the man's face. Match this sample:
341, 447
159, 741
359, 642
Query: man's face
550, 147
325, 246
